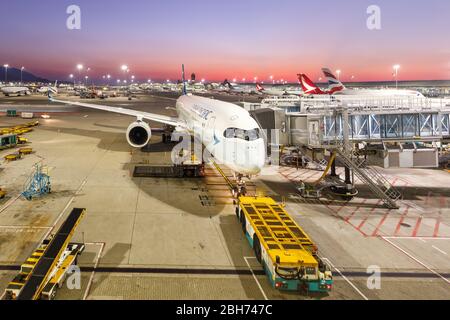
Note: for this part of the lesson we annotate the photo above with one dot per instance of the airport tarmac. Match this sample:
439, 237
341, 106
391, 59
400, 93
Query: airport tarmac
156, 238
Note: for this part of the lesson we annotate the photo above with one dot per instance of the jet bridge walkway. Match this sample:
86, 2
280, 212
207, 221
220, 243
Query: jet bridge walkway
36, 282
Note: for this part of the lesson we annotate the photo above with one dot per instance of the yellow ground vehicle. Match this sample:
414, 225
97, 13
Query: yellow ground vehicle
12, 157
45, 270
21, 140
286, 253
25, 150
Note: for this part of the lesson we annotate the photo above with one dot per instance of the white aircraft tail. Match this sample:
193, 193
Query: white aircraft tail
53, 90
334, 84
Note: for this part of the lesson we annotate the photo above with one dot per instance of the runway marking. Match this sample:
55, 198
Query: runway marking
399, 224
63, 210
346, 279
354, 211
375, 232
436, 227
367, 216
23, 227
342, 211
440, 250
415, 259
416, 228
254, 277
97, 259
415, 238
9, 202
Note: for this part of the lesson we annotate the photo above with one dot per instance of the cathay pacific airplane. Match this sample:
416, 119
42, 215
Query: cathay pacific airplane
226, 130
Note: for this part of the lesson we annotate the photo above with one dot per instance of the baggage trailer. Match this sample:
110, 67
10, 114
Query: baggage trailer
286, 253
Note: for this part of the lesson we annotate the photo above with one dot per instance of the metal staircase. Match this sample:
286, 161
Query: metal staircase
37, 184
372, 177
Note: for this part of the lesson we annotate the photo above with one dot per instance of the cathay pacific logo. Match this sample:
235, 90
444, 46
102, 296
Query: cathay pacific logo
216, 139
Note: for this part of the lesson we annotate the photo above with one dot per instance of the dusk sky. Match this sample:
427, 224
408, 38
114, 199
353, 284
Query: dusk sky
229, 39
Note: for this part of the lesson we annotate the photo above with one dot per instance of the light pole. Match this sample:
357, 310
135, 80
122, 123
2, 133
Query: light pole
108, 76
71, 77
79, 68
85, 80
21, 72
396, 67
338, 74
124, 68
271, 78
6, 72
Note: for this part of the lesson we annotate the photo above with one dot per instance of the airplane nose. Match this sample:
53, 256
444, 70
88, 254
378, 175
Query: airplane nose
256, 161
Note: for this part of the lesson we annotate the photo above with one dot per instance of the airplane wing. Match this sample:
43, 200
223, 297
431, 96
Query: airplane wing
139, 114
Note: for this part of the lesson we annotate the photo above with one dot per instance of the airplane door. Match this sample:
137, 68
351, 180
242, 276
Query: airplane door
208, 131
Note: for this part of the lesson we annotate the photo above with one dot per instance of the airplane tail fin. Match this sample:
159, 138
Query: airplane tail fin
259, 87
55, 88
183, 79
308, 86
49, 93
334, 84
227, 83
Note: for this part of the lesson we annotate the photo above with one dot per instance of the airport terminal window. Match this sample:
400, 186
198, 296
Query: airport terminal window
237, 133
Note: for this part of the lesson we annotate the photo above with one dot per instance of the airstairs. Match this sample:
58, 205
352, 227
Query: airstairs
37, 184
377, 183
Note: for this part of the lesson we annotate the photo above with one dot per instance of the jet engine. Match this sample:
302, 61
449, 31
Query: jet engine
139, 134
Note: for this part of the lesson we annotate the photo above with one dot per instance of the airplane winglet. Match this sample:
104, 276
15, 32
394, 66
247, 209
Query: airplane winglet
49, 94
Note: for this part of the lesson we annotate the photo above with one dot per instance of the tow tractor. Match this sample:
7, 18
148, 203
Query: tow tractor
287, 254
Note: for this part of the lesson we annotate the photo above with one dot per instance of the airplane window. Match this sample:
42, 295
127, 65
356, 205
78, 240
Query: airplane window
248, 135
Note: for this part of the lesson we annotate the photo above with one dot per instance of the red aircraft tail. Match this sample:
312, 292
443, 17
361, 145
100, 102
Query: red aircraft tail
308, 86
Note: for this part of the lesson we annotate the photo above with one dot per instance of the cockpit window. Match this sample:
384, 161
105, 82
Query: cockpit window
248, 135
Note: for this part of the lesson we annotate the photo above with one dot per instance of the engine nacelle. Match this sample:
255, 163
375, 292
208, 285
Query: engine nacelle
139, 134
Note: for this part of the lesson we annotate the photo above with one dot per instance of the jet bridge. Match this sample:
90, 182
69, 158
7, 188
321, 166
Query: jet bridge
325, 125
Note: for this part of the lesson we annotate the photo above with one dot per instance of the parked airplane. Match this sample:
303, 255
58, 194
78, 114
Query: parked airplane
14, 90
336, 87
272, 91
277, 92
226, 130
236, 88
54, 89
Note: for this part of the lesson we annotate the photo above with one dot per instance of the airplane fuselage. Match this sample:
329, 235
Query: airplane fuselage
226, 130
379, 92
7, 91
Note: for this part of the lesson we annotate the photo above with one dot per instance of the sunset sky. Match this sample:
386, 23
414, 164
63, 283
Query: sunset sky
228, 39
